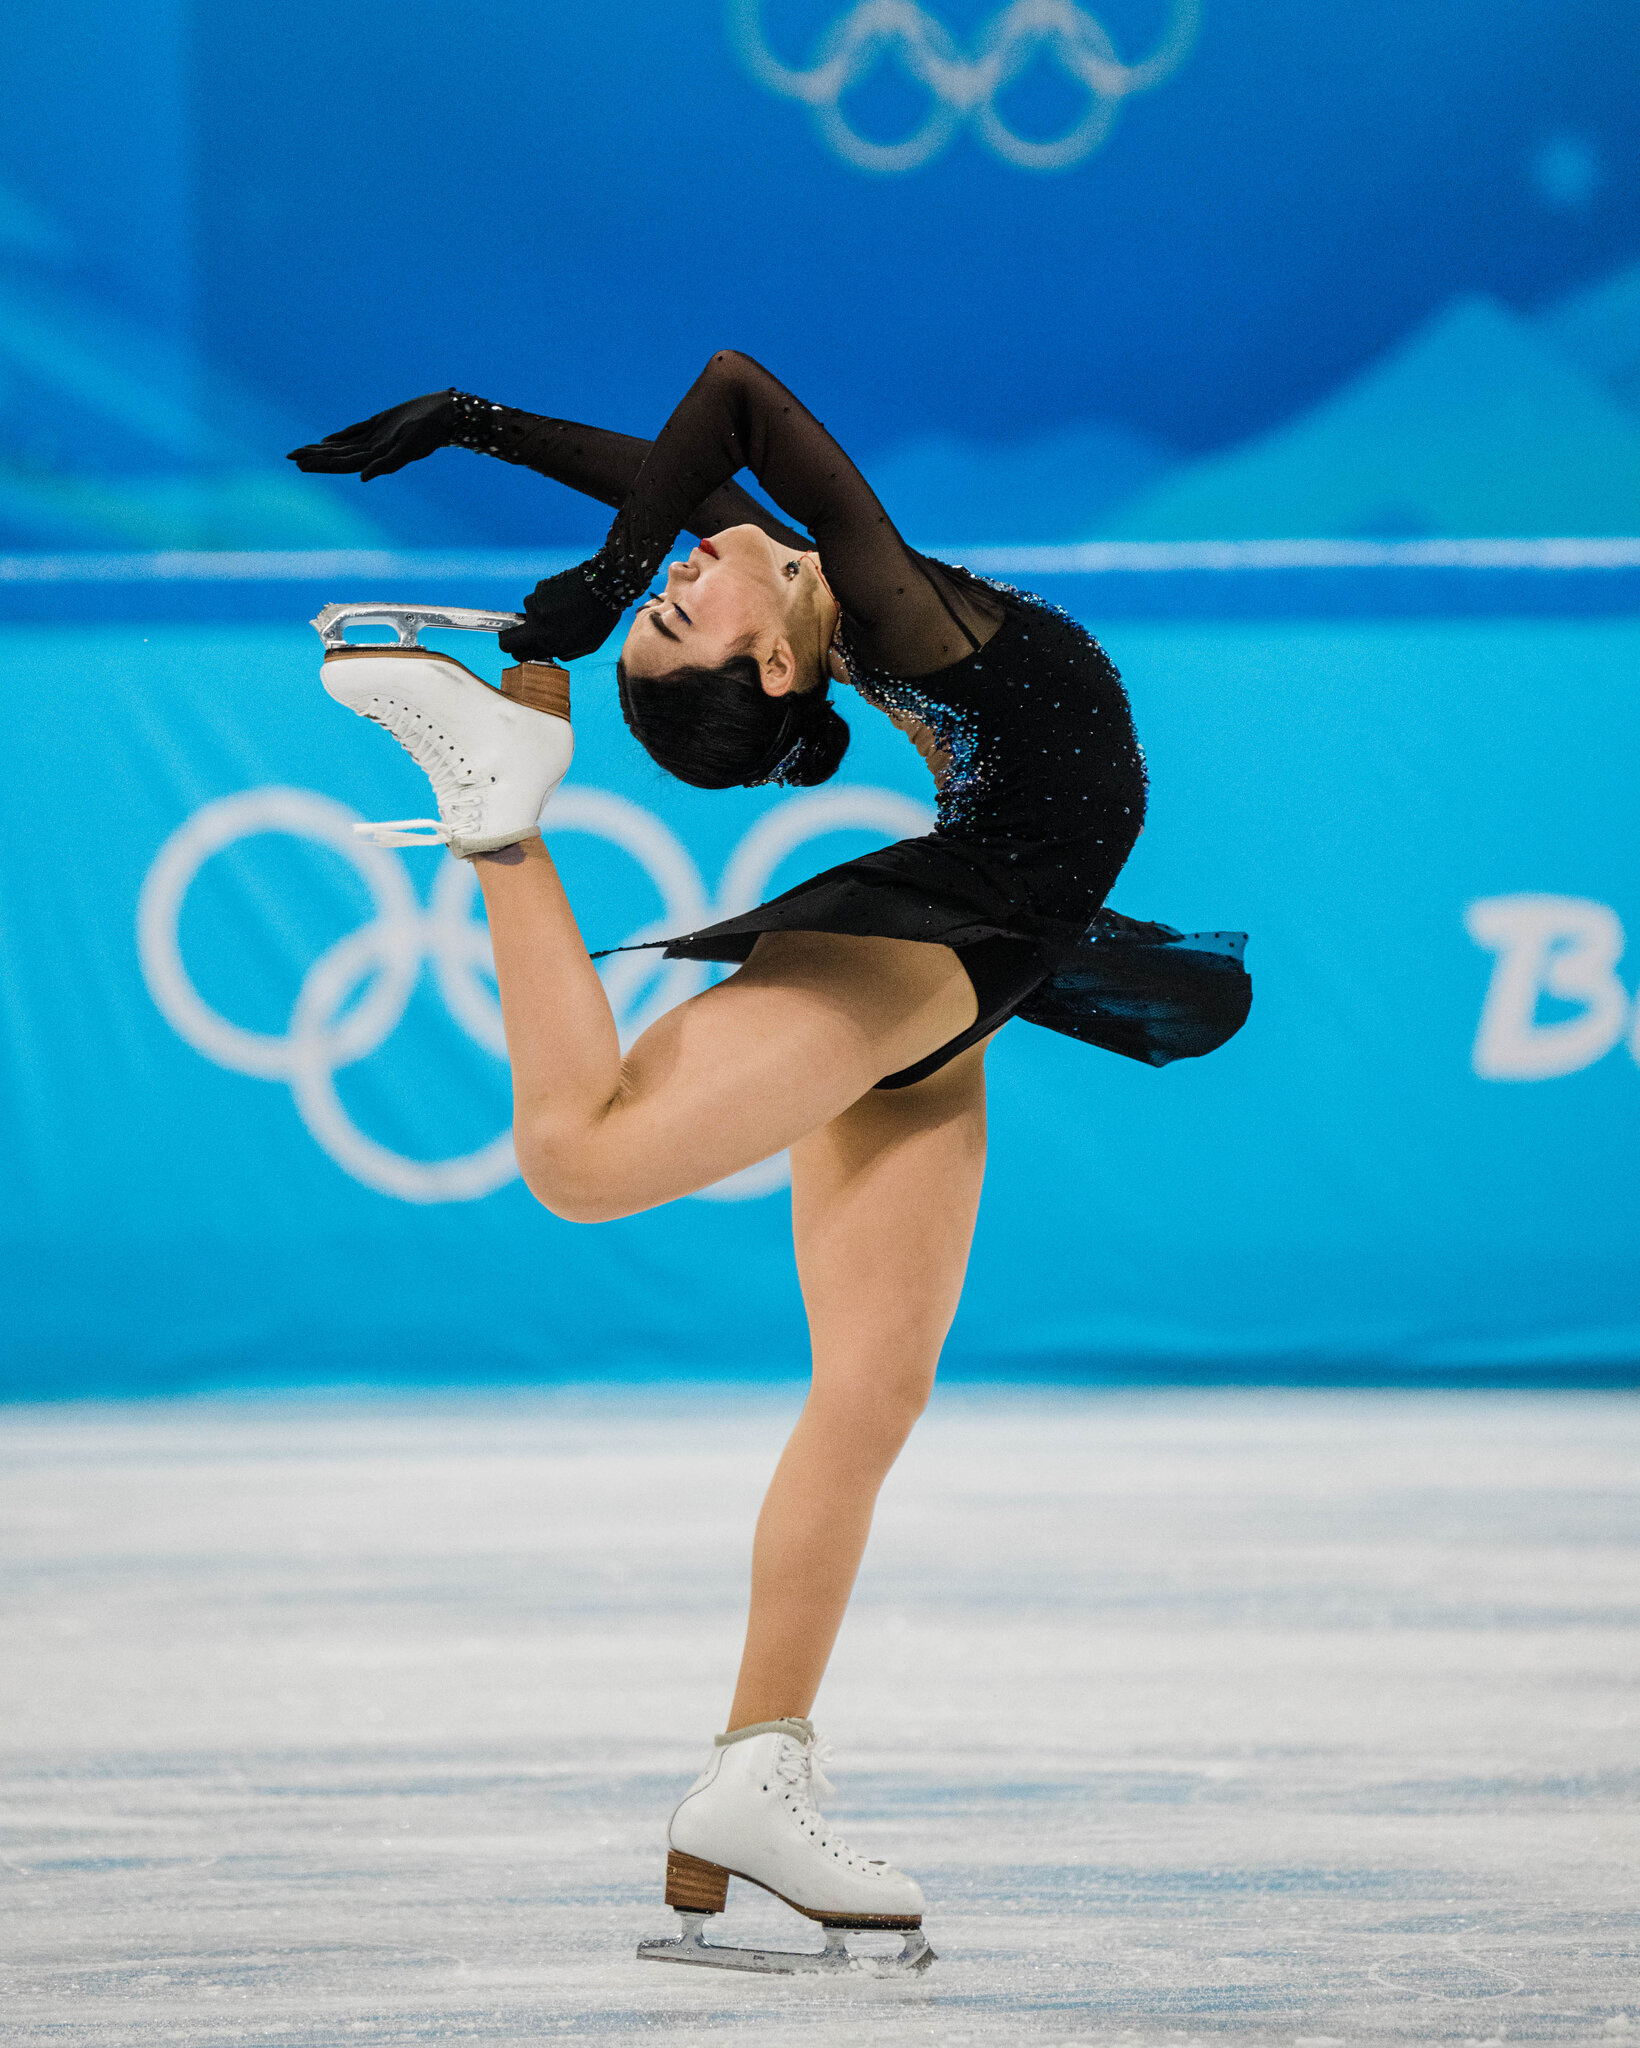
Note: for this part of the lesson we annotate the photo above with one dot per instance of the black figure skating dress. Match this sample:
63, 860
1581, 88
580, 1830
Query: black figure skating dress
1041, 779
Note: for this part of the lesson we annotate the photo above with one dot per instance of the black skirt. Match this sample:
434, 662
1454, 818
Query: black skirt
1145, 991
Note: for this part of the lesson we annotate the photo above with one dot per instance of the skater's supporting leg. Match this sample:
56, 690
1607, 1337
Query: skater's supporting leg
883, 1205
811, 1023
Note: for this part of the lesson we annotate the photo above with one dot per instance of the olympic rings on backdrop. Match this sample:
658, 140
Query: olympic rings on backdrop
964, 88
381, 963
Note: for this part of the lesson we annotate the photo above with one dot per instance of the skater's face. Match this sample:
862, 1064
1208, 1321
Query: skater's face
740, 592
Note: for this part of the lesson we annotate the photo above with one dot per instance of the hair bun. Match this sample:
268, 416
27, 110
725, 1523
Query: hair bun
819, 751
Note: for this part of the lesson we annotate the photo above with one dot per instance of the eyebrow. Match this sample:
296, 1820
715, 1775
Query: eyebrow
655, 621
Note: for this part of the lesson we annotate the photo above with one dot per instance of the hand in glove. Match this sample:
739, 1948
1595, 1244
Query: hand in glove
564, 618
386, 441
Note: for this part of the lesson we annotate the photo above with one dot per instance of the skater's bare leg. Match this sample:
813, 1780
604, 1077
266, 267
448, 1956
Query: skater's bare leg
883, 1205
804, 1029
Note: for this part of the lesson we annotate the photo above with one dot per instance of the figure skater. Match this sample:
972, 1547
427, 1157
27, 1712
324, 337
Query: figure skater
854, 1029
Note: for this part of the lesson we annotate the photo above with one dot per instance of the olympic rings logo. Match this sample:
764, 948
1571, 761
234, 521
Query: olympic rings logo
354, 996
964, 88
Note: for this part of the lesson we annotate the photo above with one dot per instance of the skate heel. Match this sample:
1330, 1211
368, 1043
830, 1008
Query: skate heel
695, 1886
539, 685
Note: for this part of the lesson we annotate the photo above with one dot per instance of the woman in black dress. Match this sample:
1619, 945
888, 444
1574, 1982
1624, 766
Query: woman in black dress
854, 1032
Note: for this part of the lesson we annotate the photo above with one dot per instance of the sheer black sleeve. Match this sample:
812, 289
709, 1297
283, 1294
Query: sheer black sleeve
597, 463
903, 614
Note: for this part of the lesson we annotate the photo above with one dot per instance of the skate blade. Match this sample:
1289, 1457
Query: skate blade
407, 620
833, 1960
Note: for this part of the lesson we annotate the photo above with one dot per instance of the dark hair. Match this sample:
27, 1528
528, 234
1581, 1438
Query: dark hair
718, 728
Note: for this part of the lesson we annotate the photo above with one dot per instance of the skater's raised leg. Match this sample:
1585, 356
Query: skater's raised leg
810, 1024
883, 1205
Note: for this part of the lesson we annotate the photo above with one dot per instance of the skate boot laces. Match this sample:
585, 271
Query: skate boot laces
459, 805
800, 1766
819, 1754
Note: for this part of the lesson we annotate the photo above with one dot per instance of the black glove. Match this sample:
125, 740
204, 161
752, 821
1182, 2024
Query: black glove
564, 618
386, 441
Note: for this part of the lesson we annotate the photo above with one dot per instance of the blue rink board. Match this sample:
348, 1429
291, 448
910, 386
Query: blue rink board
1337, 1195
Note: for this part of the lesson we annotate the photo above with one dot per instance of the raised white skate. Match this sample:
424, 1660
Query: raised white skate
494, 757
753, 1813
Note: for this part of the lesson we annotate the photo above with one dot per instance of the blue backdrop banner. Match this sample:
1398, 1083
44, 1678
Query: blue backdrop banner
1051, 269
257, 1104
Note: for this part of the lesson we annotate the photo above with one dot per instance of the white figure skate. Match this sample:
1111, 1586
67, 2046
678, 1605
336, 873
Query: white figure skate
493, 756
753, 1814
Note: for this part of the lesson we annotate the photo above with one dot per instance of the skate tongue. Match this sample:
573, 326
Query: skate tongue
405, 832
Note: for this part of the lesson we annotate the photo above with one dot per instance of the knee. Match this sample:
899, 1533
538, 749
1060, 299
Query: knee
891, 1413
904, 1395
877, 1410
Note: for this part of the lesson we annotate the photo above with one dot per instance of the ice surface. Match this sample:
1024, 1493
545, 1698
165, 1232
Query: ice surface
1273, 1717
